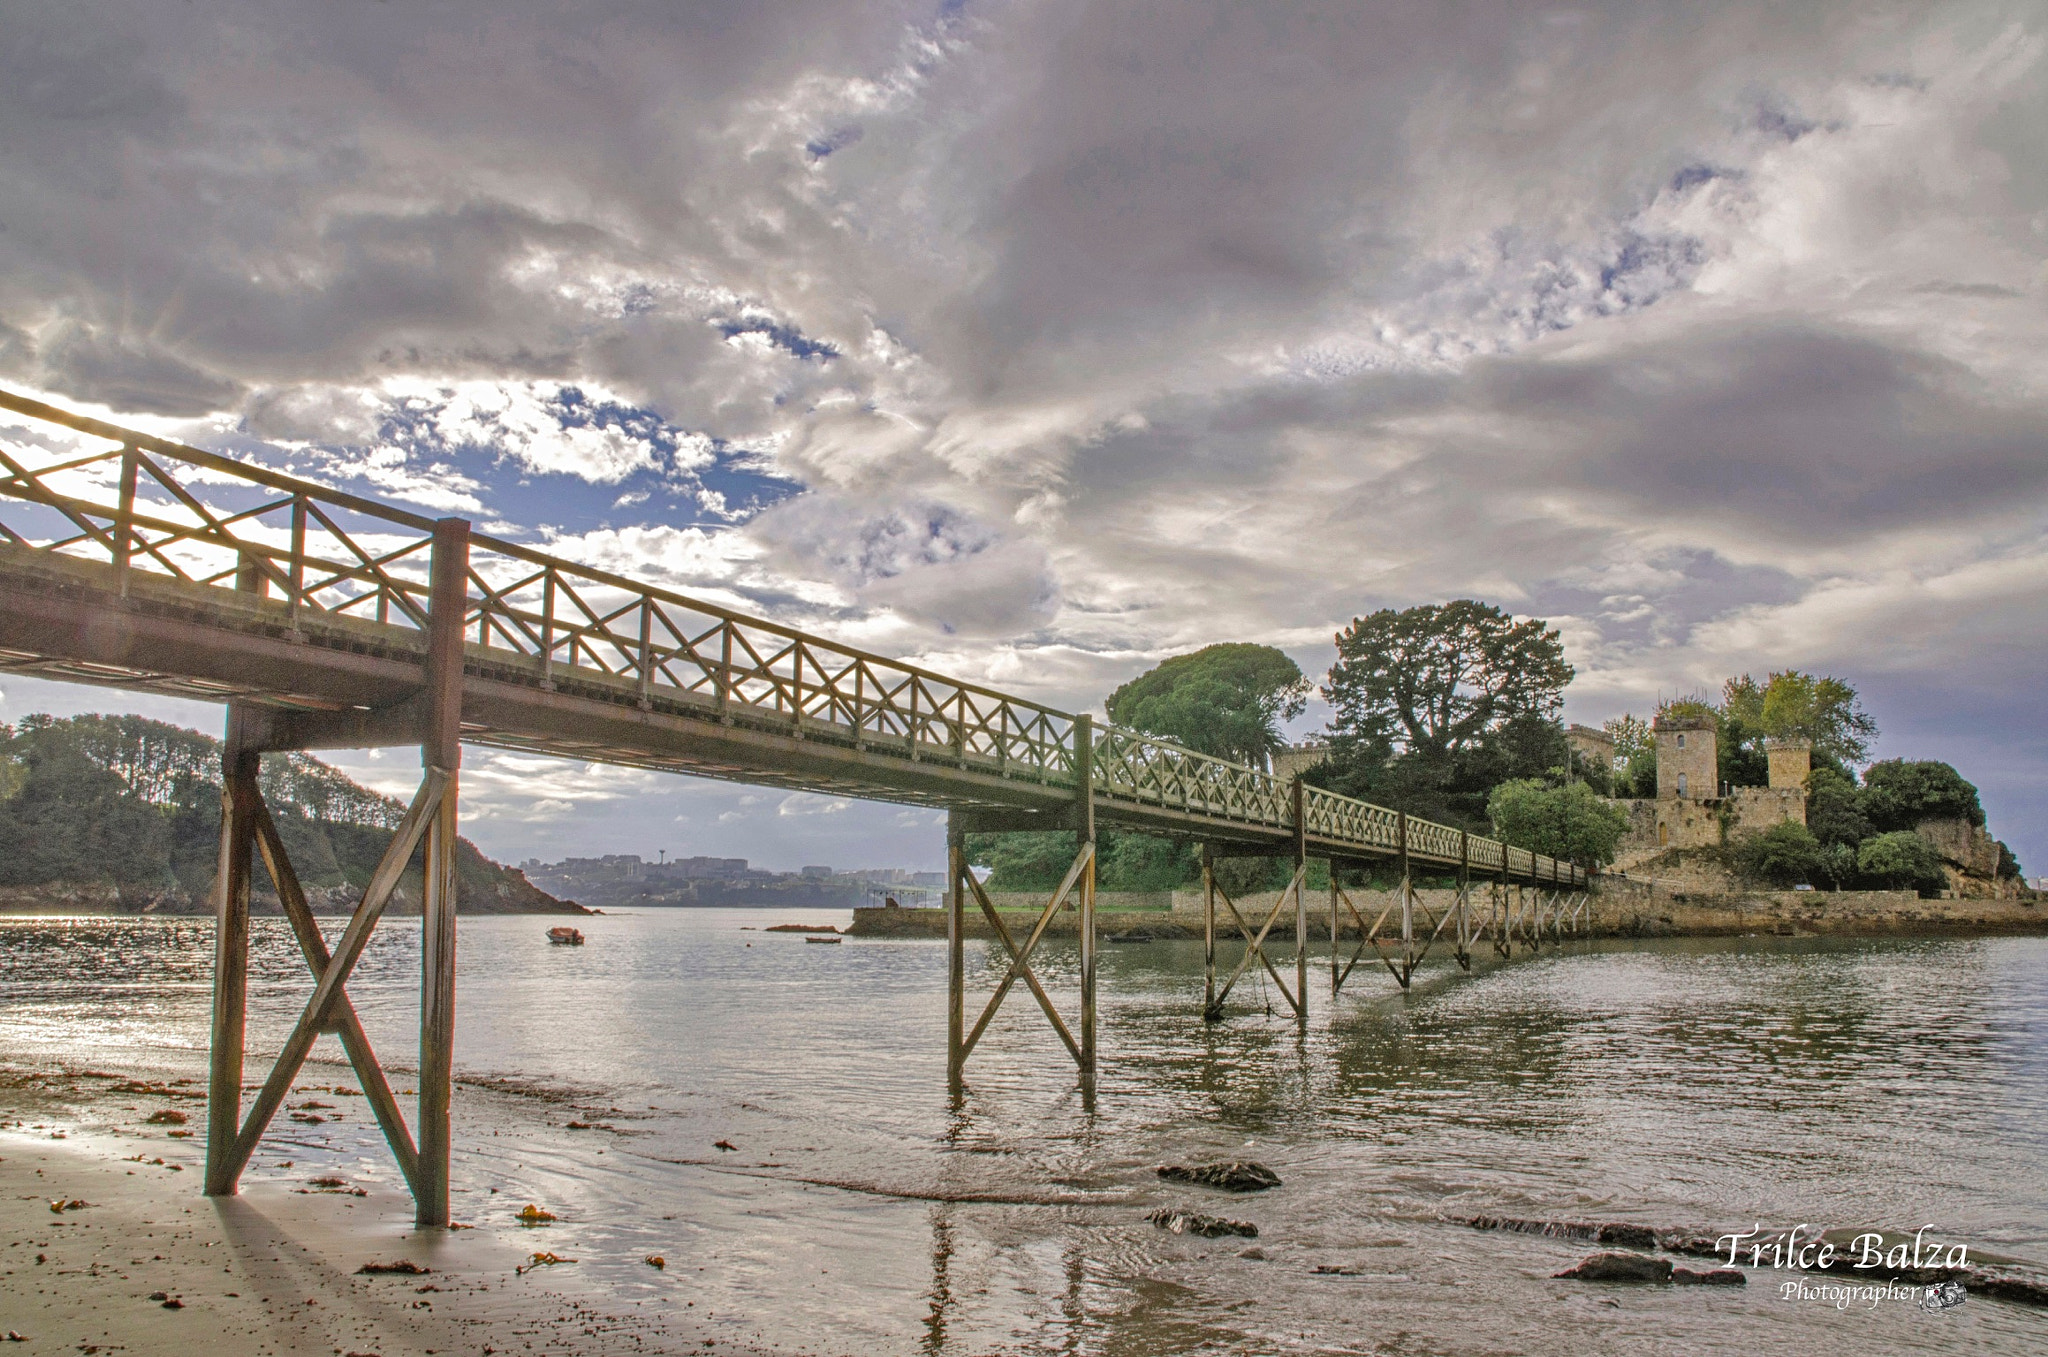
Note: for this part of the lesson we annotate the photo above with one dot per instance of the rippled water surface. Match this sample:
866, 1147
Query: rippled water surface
1703, 1085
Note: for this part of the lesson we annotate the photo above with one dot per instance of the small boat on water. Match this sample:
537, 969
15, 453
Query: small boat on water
827, 942
565, 936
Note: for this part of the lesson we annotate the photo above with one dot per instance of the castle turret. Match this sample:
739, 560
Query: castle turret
1791, 761
1688, 764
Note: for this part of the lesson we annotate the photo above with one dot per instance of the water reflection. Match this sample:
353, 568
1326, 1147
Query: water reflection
1690, 1084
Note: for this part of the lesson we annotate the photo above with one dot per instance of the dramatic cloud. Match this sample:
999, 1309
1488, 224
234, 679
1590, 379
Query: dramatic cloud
1040, 341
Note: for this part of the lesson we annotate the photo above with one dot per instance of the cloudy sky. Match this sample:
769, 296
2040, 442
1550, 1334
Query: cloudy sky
1040, 341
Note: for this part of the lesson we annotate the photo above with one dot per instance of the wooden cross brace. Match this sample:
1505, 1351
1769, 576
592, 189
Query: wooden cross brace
1367, 937
1082, 872
329, 1009
1256, 946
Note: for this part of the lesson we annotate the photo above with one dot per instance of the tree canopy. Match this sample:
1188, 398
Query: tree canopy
135, 803
1898, 794
1795, 705
1786, 854
1436, 678
1227, 700
1572, 822
1437, 705
1901, 860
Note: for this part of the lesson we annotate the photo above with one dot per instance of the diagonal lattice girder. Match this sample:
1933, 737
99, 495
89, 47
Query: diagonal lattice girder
1081, 873
1255, 946
328, 1008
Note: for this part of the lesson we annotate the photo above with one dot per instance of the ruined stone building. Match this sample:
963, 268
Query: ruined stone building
1595, 747
1692, 809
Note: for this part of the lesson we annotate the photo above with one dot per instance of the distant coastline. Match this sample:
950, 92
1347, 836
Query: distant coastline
95, 899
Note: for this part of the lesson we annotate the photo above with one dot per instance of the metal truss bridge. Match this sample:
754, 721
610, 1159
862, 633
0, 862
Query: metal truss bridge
328, 620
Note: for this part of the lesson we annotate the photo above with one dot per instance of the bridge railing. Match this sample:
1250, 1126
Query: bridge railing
580, 624
1153, 772
150, 507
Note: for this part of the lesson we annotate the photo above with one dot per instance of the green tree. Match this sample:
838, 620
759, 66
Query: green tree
1837, 862
1786, 854
1571, 822
1635, 751
1739, 735
1898, 794
1824, 710
1438, 705
1833, 808
1790, 704
1227, 700
1631, 735
1900, 860
1023, 861
75, 821
1437, 678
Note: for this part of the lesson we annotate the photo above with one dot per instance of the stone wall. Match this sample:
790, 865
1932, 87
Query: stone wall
1644, 909
1670, 823
1619, 908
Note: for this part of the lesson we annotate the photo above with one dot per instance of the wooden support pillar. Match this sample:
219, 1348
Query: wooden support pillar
1335, 980
956, 945
1407, 909
440, 750
239, 767
240, 764
1209, 1012
1300, 907
1464, 899
1084, 833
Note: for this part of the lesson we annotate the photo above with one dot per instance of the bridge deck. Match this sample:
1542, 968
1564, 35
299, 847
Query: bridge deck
136, 562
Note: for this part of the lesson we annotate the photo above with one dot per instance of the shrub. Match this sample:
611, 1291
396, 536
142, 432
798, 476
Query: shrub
1831, 808
1786, 854
1572, 822
1898, 795
1900, 860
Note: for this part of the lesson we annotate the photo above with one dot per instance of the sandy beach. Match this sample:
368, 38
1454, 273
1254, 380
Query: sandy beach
137, 1261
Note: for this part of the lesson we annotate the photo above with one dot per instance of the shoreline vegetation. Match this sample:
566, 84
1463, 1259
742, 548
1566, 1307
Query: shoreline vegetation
121, 815
1619, 909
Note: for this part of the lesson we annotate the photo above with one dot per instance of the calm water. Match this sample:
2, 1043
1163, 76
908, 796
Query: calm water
1699, 1085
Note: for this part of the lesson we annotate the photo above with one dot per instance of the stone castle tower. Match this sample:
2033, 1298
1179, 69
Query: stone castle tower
1791, 762
1688, 760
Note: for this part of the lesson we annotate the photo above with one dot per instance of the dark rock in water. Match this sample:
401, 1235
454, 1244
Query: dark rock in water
1255, 1253
1720, 1276
1233, 1175
1613, 1232
2008, 1286
1698, 1245
1134, 935
1620, 1267
1337, 1270
1188, 1222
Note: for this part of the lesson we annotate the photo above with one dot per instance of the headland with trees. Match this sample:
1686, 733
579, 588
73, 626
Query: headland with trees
122, 814
1452, 713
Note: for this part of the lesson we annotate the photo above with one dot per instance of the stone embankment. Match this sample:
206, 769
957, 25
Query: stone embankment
1618, 908
1652, 909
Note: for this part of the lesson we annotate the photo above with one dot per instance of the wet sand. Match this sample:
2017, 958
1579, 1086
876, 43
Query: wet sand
148, 1265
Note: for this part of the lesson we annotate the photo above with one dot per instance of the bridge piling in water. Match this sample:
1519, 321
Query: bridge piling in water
1300, 907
